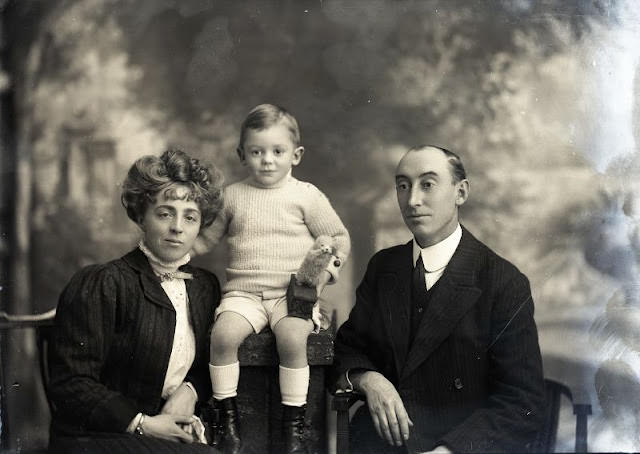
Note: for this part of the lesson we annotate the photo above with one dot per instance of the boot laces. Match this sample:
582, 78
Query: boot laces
300, 426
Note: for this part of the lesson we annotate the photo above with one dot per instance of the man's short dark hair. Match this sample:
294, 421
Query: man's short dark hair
457, 169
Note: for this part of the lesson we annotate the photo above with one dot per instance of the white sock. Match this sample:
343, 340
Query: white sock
294, 386
224, 380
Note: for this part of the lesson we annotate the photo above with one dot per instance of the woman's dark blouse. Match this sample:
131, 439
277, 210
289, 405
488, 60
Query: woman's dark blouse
113, 338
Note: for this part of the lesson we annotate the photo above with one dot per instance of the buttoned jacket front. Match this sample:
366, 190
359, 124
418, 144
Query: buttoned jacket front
112, 341
472, 379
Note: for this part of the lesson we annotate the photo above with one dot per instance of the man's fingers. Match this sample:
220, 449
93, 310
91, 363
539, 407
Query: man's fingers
376, 422
394, 427
384, 426
403, 421
383, 420
380, 423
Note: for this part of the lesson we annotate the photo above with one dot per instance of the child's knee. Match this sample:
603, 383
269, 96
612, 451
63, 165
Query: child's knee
293, 342
226, 339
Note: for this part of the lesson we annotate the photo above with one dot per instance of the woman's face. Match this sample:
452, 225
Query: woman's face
171, 225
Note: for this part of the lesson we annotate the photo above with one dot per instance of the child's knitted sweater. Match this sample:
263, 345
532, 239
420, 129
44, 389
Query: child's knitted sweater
269, 231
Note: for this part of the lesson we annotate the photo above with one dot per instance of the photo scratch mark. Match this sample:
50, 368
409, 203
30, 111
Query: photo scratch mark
509, 322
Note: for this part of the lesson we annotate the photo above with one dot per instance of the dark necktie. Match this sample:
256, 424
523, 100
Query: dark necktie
419, 287
418, 296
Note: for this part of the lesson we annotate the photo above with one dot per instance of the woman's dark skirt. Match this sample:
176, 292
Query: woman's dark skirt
108, 443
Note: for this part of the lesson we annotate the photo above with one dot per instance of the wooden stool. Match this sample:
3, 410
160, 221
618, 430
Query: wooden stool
259, 404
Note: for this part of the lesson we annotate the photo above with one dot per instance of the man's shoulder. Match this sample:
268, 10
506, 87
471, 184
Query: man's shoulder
390, 254
394, 250
486, 257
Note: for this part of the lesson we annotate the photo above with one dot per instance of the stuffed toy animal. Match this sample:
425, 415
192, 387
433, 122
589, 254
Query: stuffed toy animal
316, 261
302, 292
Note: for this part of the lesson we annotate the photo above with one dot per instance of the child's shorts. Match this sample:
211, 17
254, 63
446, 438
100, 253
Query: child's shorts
259, 311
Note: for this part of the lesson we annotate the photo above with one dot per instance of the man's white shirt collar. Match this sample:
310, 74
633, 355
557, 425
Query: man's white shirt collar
436, 257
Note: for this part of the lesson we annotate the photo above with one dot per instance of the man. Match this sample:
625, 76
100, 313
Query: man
441, 340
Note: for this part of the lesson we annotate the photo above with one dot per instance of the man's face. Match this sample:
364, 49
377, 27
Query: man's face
427, 195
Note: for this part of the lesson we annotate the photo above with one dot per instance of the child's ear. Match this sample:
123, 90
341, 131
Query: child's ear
241, 155
297, 156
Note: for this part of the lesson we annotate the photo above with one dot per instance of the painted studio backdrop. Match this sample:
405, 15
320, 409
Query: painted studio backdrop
539, 97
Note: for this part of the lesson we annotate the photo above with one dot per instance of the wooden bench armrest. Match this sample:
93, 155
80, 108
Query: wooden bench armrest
12, 321
342, 403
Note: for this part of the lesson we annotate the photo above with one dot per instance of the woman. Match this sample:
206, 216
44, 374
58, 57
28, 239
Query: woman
129, 357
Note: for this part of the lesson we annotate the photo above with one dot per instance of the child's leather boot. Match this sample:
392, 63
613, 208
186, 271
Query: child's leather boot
230, 441
294, 429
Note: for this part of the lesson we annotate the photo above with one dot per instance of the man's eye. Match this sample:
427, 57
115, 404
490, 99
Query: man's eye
164, 214
427, 185
402, 186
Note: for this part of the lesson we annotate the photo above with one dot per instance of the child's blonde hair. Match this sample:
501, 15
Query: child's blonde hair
265, 116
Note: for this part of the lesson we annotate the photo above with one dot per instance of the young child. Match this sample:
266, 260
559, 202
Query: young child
270, 221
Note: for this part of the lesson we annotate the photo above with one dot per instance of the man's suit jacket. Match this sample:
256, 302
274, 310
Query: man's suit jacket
472, 379
112, 342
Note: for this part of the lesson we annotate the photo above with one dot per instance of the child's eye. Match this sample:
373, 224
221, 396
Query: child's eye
278, 151
163, 214
255, 152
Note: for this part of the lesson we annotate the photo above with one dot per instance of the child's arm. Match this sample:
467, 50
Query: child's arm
212, 235
321, 219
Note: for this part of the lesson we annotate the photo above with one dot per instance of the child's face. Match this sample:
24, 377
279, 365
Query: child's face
269, 154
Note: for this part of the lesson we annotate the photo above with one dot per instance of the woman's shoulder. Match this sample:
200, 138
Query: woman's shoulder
102, 273
204, 275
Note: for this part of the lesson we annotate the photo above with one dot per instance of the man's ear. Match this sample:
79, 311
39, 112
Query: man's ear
462, 192
241, 156
297, 156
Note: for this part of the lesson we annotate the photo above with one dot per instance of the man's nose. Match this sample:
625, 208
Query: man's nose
415, 197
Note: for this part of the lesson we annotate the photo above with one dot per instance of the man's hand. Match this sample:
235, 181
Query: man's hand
181, 402
387, 410
168, 427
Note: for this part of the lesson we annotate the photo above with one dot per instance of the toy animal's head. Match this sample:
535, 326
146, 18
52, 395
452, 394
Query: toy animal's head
324, 243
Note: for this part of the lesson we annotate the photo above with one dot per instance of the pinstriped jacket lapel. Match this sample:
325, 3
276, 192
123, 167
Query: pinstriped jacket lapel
197, 294
154, 292
149, 281
395, 296
453, 297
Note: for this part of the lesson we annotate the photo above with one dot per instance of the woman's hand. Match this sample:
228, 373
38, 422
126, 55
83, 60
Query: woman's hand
168, 427
181, 402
